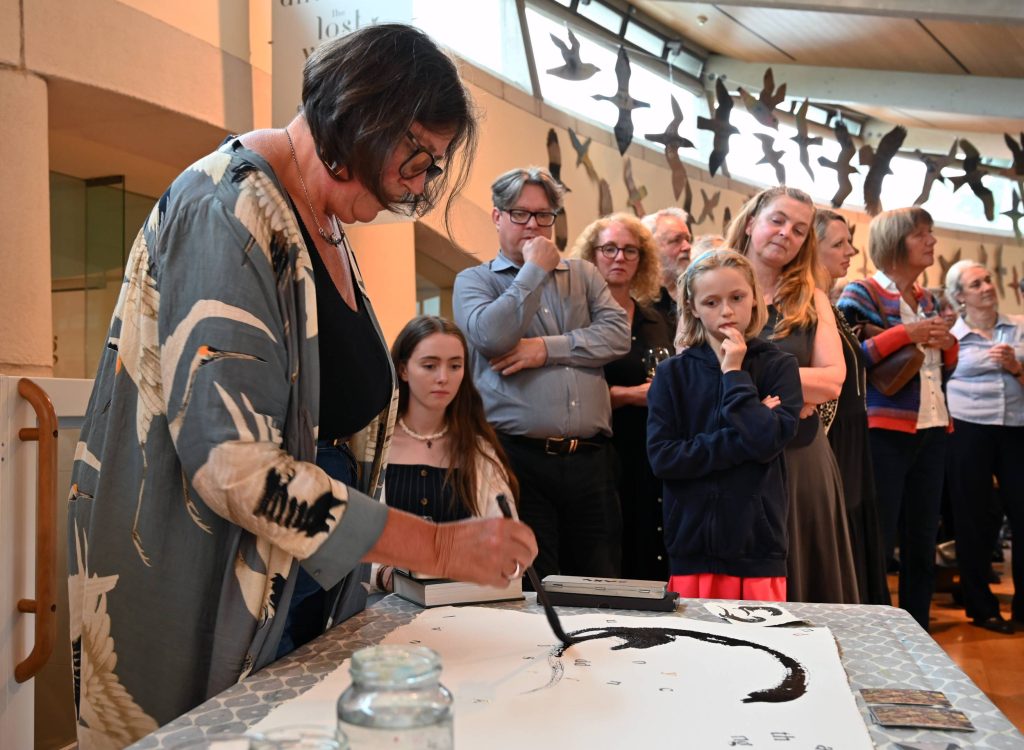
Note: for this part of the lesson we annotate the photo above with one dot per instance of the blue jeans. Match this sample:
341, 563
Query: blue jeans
305, 611
909, 470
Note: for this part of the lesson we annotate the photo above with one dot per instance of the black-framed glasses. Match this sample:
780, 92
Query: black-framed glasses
629, 252
418, 162
522, 216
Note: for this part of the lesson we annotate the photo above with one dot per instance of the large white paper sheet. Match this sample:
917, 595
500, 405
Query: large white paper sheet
646, 682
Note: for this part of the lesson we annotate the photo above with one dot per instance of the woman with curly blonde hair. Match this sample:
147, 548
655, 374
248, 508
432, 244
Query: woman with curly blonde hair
625, 255
775, 230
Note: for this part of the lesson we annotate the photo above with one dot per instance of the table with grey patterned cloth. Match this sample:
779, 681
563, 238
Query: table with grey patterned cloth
881, 647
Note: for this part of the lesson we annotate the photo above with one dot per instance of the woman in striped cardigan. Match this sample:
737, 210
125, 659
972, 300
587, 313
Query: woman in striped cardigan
908, 428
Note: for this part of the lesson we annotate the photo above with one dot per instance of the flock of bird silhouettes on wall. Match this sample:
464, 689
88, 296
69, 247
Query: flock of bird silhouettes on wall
763, 108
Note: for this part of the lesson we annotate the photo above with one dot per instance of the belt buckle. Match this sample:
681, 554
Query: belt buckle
559, 446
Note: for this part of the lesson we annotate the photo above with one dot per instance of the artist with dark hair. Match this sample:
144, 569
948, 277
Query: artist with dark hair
541, 329
220, 532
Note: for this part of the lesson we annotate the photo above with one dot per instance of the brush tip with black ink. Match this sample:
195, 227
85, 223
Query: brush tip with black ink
542, 596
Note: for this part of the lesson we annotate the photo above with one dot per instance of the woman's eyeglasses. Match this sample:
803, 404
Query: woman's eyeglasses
418, 162
522, 216
629, 252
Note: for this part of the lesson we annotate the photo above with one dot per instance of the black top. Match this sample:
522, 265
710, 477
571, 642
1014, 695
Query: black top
355, 377
650, 329
420, 489
666, 305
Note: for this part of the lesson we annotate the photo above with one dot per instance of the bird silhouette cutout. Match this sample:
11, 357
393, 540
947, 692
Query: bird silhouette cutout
635, 194
688, 199
771, 156
842, 165
983, 256
933, 166
763, 107
877, 161
803, 140
1017, 149
672, 142
726, 218
945, 264
720, 126
999, 271
604, 198
583, 154
971, 177
707, 211
1015, 215
626, 104
574, 68
555, 168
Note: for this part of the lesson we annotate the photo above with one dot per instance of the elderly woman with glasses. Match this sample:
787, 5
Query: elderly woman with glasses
624, 252
986, 400
238, 429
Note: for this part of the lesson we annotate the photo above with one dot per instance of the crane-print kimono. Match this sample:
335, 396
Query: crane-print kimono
195, 496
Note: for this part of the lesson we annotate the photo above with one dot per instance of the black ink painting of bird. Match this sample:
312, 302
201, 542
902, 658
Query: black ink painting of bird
726, 219
707, 211
635, 194
672, 142
933, 166
720, 126
555, 168
1016, 286
604, 198
771, 156
983, 256
803, 140
574, 68
625, 103
1015, 215
877, 161
763, 107
842, 166
583, 154
971, 177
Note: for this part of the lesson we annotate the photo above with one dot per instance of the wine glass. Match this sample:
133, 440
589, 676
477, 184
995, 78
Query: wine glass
654, 356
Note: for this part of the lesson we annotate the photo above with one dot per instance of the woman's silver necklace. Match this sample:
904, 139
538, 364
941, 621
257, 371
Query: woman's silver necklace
337, 237
428, 439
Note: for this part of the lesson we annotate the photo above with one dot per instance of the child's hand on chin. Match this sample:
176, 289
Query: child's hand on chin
734, 348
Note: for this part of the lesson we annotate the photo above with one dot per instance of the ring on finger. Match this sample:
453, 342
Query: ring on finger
516, 572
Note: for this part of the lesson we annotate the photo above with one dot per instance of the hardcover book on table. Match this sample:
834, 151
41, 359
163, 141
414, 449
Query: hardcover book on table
436, 592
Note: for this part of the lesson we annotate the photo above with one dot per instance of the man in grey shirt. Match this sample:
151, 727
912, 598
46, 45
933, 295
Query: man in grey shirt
541, 329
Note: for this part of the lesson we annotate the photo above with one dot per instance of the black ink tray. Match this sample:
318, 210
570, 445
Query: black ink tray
604, 601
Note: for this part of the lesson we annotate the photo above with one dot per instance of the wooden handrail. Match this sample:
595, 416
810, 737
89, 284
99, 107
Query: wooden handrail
44, 606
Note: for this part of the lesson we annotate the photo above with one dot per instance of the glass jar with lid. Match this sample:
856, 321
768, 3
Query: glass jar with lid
396, 700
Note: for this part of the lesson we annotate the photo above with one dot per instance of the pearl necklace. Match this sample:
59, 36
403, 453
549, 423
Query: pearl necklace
337, 236
428, 439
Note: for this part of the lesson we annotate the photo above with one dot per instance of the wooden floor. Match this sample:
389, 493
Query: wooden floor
994, 662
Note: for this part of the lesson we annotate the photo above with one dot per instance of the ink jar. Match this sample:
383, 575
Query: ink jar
396, 700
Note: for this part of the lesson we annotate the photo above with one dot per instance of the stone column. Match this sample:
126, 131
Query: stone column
26, 325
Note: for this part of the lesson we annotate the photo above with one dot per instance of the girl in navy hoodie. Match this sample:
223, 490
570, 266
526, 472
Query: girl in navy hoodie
720, 414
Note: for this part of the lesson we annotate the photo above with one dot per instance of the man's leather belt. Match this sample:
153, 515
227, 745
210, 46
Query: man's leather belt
560, 446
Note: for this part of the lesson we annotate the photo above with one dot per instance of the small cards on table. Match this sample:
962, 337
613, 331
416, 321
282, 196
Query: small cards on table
766, 615
919, 709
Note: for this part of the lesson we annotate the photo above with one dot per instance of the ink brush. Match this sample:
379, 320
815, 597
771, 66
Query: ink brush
542, 595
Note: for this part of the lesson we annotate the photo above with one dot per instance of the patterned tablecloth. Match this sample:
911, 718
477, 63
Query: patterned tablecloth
881, 647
